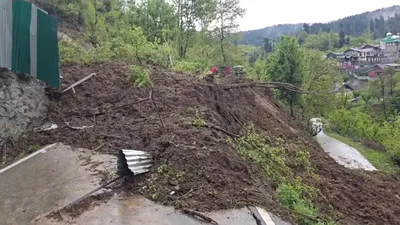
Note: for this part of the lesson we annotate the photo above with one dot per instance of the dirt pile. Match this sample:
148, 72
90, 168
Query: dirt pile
197, 162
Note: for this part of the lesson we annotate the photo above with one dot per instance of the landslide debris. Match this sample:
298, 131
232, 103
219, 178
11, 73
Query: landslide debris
198, 158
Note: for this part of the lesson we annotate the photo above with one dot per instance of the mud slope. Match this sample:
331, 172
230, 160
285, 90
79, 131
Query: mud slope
207, 172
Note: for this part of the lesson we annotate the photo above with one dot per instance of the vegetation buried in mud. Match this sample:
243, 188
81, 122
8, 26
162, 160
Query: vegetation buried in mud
157, 189
274, 162
198, 121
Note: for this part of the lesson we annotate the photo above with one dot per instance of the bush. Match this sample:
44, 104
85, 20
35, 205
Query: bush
72, 53
102, 53
185, 66
391, 141
358, 125
139, 76
291, 196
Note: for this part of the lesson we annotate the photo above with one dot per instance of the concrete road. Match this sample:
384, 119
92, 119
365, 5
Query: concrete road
139, 210
45, 181
343, 154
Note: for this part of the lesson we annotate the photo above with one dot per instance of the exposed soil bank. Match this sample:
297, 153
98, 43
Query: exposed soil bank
207, 172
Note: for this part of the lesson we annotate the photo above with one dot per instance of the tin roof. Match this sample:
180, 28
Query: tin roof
391, 39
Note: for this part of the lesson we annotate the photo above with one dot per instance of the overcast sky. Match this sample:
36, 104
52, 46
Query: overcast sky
263, 13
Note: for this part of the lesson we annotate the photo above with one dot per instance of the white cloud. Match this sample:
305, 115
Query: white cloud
263, 13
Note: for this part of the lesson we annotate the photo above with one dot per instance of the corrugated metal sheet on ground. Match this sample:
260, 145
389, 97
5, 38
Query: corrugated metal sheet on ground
6, 23
138, 162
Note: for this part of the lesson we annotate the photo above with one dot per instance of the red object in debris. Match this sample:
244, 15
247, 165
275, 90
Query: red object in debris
214, 70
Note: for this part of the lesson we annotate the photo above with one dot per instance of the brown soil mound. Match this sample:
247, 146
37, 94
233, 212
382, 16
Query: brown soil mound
203, 168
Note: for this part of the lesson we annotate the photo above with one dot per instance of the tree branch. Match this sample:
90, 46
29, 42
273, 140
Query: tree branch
222, 130
199, 215
156, 108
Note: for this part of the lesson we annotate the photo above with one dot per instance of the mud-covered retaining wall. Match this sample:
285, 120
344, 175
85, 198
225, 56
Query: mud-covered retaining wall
23, 104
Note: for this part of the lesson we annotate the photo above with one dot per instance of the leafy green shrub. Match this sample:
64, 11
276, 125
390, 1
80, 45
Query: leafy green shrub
72, 53
185, 66
292, 197
359, 125
139, 76
102, 53
391, 142
355, 124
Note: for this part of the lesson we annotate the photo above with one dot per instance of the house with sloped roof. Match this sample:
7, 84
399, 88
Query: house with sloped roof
344, 61
377, 70
371, 55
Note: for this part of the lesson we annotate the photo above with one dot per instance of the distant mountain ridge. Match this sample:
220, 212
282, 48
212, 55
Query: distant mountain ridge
354, 25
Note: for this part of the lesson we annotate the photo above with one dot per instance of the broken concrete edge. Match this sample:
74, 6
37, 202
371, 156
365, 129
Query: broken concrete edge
63, 212
262, 217
43, 150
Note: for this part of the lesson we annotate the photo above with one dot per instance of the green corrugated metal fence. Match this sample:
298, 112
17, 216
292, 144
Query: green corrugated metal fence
47, 50
21, 61
34, 42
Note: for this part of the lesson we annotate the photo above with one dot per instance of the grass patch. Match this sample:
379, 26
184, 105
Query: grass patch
381, 160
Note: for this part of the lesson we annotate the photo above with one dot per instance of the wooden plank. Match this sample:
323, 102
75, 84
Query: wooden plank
79, 82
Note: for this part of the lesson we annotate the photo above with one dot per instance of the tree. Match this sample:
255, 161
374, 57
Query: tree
347, 40
390, 78
306, 28
320, 76
154, 17
285, 64
383, 90
190, 13
302, 37
342, 37
371, 26
268, 46
382, 26
366, 97
227, 12
323, 41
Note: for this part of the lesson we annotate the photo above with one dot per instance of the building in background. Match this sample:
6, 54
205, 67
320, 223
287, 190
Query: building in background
391, 45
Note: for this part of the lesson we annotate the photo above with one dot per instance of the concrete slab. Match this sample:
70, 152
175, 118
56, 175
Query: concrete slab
343, 153
139, 210
47, 180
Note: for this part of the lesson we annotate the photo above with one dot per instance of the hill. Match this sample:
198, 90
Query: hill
378, 22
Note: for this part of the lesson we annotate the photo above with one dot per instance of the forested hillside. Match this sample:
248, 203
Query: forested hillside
378, 23
185, 35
